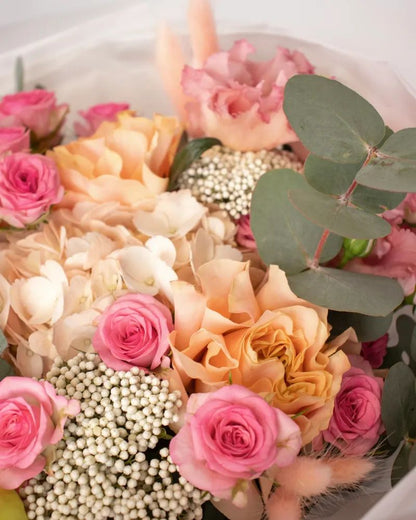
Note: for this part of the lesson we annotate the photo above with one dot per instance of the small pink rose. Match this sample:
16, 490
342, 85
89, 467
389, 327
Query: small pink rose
133, 331
14, 139
240, 101
374, 351
29, 185
244, 236
231, 435
32, 417
96, 115
356, 423
35, 109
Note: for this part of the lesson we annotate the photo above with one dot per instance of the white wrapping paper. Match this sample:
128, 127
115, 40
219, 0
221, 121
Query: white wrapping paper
110, 58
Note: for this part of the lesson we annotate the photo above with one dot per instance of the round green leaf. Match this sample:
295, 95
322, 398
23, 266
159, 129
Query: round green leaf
376, 201
346, 291
3, 342
328, 176
283, 236
394, 167
330, 119
5, 369
328, 212
398, 403
368, 328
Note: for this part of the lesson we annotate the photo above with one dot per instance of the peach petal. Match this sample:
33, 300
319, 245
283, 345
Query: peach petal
190, 307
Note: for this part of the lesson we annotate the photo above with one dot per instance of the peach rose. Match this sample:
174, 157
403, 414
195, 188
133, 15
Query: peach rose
124, 161
268, 340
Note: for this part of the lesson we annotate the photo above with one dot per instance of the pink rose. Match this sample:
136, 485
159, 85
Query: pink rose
244, 236
96, 115
14, 139
393, 256
36, 110
29, 185
229, 435
374, 351
356, 423
240, 101
32, 417
133, 331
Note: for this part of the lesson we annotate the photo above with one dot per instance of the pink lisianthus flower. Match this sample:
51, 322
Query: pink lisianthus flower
244, 236
374, 351
240, 101
29, 185
393, 256
230, 435
14, 139
133, 332
356, 423
96, 115
36, 110
32, 417
405, 211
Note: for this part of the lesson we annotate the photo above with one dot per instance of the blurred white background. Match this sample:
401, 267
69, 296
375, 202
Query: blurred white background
376, 29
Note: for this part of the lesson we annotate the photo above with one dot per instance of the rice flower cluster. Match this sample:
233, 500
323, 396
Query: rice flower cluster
109, 463
227, 177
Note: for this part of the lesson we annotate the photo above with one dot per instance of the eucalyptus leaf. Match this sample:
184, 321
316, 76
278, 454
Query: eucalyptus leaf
376, 201
412, 457
398, 403
394, 166
368, 328
5, 369
413, 345
328, 176
328, 212
346, 291
405, 327
283, 236
187, 155
401, 465
388, 132
330, 119
3, 342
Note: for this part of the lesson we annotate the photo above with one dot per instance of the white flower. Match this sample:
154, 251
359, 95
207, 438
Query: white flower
205, 249
106, 277
73, 334
144, 271
84, 252
40, 299
174, 215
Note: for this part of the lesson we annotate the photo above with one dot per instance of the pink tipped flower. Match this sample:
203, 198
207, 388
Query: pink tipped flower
231, 435
96, 115
374, 351
133, 332
240, 101
228, 96
14, 139
32, 418
35, 109
29, 185
244, 236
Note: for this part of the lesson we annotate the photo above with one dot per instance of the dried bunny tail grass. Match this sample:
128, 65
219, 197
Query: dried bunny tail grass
202, 32
349, 471
284, 505
306, 477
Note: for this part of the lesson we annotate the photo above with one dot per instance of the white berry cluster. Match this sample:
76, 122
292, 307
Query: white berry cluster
227, 177
108, 464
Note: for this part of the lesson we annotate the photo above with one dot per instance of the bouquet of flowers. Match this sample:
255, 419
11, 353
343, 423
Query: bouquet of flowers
196, 310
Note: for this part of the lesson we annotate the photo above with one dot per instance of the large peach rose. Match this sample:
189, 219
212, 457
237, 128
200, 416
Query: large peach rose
124, 161
268, 340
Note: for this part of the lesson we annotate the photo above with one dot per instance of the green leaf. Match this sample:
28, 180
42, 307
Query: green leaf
346, 291
401, 464
187, 155
398, 403
388, 132
5, 369
406, 332
19, 74
330, 119
330, 213
376, 201
394, 167
283, 236
368, 328
3, 342
413, 345
412, 457
328, 176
